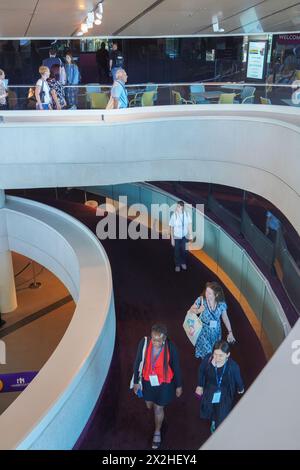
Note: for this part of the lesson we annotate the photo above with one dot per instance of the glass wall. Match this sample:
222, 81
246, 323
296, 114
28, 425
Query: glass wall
265, 312
160, 60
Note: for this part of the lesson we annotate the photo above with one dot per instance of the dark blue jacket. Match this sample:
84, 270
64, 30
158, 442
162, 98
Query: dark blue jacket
235, 379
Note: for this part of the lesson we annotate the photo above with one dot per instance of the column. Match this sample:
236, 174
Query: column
8, 296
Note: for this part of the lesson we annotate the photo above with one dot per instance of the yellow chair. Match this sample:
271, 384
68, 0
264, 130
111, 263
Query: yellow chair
297, 74
145, 98
265, 100
148, 98
98, 100
227, 98
177, 98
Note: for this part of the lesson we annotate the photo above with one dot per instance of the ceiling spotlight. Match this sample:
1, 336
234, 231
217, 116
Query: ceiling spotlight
99, 11
84, 28
98, 22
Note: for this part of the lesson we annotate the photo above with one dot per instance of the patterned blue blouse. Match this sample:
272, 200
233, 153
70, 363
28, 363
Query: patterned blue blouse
211, 329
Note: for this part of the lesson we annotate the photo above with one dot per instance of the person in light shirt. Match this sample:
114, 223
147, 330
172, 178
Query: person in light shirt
118, 91
272, 226
42, 90
181, 229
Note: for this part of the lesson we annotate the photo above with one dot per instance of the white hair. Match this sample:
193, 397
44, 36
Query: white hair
120, 73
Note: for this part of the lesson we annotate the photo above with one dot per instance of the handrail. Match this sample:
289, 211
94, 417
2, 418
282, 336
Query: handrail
171, 84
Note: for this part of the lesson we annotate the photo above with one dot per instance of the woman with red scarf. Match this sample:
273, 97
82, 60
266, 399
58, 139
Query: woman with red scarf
158, 377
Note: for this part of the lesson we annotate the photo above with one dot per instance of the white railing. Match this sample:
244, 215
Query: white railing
43, 416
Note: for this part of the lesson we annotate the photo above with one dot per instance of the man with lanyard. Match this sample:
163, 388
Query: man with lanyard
181, 229
118, 91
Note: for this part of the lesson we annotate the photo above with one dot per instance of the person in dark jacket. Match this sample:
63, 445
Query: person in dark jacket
102, 58
158, 377
218, 382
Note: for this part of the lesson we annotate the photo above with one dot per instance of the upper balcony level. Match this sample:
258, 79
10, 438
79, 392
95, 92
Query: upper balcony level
250, 146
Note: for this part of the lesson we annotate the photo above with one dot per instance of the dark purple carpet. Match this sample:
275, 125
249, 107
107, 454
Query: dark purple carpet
147, 290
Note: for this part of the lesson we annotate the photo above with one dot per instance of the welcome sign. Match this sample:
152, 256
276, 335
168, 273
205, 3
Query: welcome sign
256, 59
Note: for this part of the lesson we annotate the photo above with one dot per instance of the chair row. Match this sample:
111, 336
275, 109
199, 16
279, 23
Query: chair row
148, 97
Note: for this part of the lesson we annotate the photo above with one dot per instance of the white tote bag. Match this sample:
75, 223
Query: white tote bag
140, 367
192, 325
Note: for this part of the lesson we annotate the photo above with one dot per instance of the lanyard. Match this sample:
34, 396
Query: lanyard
209, 309
154, 359
219, 379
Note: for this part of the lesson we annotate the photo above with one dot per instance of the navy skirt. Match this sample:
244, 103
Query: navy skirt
161, 395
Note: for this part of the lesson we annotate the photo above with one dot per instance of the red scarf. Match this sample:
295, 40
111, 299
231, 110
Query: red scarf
159, 366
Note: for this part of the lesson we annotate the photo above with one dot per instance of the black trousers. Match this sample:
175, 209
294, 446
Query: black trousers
272, 235
180, 251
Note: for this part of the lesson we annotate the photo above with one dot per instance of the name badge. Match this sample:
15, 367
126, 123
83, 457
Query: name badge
213, 324
154, 380
216, 397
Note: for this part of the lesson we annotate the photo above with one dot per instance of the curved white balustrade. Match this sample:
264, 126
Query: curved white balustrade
52, 411
253, 147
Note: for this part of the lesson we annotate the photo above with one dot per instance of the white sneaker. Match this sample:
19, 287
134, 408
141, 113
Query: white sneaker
177, 269
184, 267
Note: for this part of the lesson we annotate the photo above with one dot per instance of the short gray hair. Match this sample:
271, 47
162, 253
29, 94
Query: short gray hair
119, 73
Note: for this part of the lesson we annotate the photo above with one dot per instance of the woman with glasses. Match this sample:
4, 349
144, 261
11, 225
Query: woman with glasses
218, 382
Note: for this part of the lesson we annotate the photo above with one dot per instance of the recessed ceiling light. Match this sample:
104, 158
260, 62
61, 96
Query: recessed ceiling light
98, 22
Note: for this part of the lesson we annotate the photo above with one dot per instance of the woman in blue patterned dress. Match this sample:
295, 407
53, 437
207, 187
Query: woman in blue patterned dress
211, 307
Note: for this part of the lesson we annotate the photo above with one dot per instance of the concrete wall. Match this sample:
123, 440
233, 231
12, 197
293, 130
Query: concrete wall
251, 147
